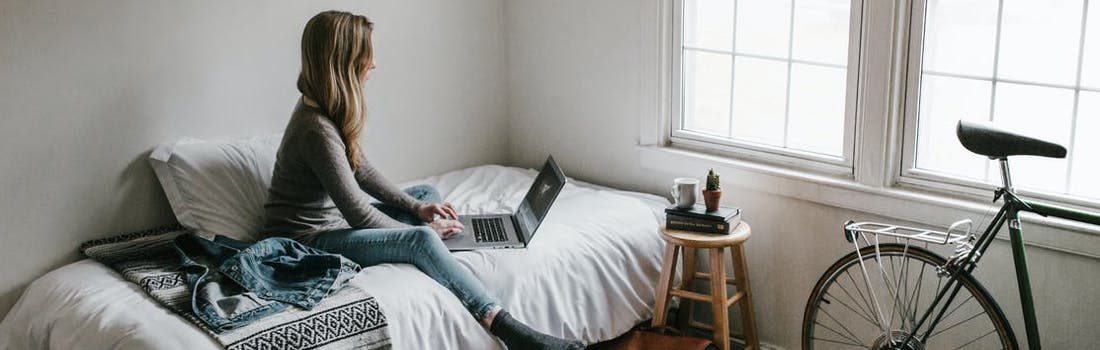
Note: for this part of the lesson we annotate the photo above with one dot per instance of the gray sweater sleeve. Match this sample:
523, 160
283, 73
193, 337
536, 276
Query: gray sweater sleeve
379, 187
325, 154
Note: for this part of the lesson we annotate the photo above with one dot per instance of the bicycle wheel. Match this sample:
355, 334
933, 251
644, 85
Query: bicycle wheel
873, 300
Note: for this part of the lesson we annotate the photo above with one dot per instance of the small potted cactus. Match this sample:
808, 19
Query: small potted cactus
712, 195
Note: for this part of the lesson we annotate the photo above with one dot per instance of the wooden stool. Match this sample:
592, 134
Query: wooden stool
689, 242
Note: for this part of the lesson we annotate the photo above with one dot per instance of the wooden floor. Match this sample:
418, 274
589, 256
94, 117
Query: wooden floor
673, 313
607, 344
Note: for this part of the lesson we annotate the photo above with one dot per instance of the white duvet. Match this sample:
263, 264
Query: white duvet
589, 273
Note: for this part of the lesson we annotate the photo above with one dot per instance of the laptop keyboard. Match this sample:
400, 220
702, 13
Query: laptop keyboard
489, 230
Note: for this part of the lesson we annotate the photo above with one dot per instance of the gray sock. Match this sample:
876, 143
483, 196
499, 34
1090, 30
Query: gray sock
518, 336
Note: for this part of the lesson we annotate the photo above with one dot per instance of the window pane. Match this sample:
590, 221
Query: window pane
1090, 67
708, 24
706, 92
759, 100
959, 36
816, 121
1040, 112
1085, 177
1033, 81
943, 101
821, 31
1039, 40
743, 96
763, 27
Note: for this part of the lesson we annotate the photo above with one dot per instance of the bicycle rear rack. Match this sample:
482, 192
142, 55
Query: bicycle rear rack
954, 234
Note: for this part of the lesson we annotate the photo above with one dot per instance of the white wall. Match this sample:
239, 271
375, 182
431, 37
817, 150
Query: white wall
87, 88
579, 84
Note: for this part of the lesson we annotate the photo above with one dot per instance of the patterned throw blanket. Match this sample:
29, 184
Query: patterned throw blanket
347, 319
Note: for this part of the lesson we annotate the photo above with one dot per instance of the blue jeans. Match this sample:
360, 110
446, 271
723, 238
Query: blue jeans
419, 246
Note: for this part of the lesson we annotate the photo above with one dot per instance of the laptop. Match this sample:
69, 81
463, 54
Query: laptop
500, 231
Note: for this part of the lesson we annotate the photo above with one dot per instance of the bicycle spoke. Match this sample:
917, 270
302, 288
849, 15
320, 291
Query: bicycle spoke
910, 313
898, 297
954, 285
956, 324
891, 291
976, 339
860, 291
854, 341
939, 282
854, 337
871, 290
854, 301
853, 310
949, 313
839, 342
914, 305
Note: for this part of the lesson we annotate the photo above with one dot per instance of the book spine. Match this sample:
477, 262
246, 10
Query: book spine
701, 216
677, 222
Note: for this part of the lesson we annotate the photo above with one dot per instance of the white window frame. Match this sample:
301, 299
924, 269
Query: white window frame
913, 177
753, 151
875, 185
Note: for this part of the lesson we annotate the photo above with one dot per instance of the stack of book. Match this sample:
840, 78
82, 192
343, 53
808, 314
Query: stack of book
698, 219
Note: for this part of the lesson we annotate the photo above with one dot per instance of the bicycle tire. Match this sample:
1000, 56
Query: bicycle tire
828, 279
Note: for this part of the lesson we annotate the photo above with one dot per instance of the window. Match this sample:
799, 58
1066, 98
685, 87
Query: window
920, 66
775, 82
767, 78
1033, 66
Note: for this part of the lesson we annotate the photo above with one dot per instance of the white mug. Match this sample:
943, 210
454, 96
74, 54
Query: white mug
683, 191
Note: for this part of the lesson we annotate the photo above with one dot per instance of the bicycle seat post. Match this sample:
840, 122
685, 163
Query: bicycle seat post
1006, 177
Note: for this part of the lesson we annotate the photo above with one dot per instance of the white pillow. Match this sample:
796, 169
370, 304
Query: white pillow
217, 187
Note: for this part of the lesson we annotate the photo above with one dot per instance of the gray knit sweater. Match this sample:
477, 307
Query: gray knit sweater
313, 183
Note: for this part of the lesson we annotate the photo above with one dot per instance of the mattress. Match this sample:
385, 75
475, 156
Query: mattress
589, 273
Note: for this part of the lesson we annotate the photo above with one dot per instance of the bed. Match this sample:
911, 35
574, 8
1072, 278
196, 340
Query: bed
589, 274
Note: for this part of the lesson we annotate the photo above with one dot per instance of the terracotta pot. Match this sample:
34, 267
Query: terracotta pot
712, 199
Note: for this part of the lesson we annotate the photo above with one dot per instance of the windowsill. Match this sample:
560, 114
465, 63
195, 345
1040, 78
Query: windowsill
900, 203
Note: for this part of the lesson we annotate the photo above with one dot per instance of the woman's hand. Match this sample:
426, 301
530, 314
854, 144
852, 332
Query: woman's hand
429, 211
446, 227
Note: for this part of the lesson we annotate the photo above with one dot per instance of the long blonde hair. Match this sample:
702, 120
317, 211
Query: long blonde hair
336, 55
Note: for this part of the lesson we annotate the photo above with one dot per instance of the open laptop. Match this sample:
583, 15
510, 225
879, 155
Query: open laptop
494, 231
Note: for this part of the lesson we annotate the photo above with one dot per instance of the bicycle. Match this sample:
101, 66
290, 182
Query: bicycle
849, 304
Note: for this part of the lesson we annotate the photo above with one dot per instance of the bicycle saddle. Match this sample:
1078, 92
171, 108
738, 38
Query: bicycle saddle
989, 141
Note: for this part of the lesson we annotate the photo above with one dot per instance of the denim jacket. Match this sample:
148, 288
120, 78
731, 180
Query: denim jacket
234, 283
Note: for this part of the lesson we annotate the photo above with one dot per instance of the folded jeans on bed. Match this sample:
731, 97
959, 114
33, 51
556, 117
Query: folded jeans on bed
235, 283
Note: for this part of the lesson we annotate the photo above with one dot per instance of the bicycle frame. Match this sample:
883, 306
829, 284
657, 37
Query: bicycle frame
1010, 213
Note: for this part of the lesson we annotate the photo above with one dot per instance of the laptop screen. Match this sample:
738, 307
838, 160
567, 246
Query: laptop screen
543, 191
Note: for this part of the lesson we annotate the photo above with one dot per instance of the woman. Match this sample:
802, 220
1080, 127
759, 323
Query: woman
320, 159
